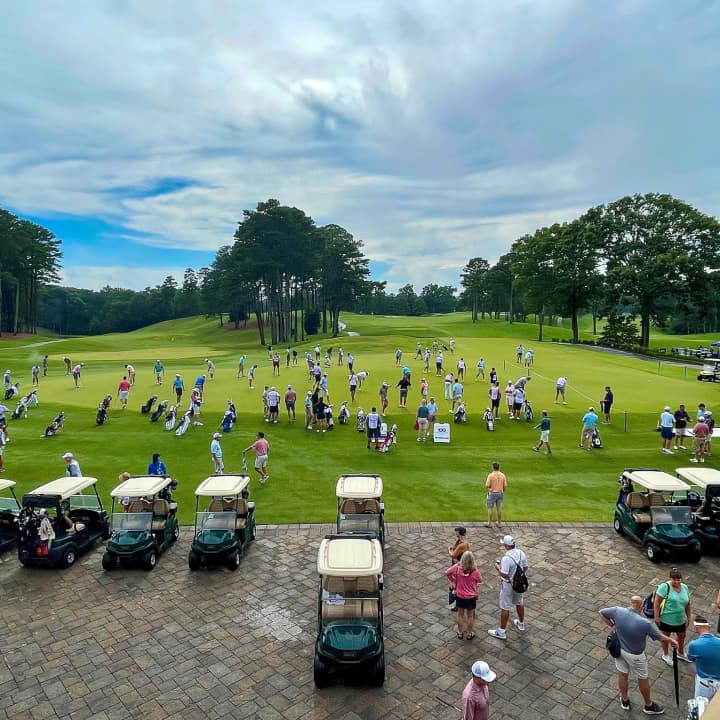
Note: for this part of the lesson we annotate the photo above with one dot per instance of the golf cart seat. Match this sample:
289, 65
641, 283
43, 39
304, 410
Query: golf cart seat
76, 527
240, 506
349, 610
359, 507
656, 499
639, 504
160, 510
347, 586
140, 506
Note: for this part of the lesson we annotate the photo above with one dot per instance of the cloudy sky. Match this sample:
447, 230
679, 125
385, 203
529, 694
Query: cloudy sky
433, 131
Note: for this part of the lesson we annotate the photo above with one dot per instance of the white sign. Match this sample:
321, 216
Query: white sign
441, 433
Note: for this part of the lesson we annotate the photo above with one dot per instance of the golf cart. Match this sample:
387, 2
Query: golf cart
360, 509
710, 370
148, 524
350, 610
653, 510
57, 522
227, 524
705, 482
9, 511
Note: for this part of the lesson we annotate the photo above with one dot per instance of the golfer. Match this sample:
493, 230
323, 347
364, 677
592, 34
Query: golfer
216, 453
262, 448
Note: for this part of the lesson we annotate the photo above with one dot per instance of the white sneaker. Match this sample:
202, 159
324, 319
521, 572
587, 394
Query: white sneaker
667, 659
498, 633
519, 625
693, 459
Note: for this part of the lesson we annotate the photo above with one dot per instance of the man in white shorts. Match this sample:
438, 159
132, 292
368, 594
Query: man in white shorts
633, 629
510, 599
262, 448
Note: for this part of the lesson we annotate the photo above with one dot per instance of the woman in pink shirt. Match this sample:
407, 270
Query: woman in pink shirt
465, 577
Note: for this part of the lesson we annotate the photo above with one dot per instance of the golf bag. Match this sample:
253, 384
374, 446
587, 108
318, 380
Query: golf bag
387, 437
229, 418
595, 439
170, 417
32, 399
20, 410
102, 410
147, 407
329, 417
460, 415
344, 414
159, 411
12, 391
56, 425
489, 419
360, 420
529, 415
185, 421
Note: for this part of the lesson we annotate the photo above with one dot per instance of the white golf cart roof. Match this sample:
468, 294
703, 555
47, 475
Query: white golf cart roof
141, 485
221, 485
65, 487
5, 484
702, 477
359, 487
656, 480
350, 557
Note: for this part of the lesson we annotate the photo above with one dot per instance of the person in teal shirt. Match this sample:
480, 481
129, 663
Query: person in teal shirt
672, 613
544, 427
159, 372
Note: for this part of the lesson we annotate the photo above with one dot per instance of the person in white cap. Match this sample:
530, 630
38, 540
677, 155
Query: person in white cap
273, 398
589, 425
506, 567
665, 424
72, 467
476, 695
216, 453
704, 651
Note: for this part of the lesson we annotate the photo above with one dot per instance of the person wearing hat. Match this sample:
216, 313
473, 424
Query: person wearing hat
159, 370
508, 597
72, 467
308, 410
455, 552
178, 386
216, 453
422, 422
589, 425
157, 466
704, 651
665, 425
262, 448
710, 422
273, 400
383, 393
290, 400
700, 433
476, 695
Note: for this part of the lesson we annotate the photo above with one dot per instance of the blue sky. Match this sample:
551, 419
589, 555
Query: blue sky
432, 131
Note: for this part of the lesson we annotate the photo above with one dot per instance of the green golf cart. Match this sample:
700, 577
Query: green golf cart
705, 484
654, 511
360, 509
148, 525
350, 610
226, 524
9, 512
59, 521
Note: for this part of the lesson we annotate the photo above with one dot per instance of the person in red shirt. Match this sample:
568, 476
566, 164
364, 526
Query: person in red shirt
476, 695
465, 577
124, 391
262, 448
701, 432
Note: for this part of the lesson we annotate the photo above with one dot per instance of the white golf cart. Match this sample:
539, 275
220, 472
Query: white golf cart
360, 509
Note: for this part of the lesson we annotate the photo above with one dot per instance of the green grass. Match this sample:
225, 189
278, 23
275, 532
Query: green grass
423, 482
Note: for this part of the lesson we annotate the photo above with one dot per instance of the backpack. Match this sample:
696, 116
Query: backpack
648, 606
519, 580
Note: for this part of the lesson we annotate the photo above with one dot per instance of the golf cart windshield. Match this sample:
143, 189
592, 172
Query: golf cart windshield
8, 504
86, 502
132, 522
359, 524
671, 515
337, 609
215, 521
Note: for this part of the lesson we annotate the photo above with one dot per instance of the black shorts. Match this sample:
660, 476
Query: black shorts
274, 408
672, 628
465, 603
373, 433
495, 403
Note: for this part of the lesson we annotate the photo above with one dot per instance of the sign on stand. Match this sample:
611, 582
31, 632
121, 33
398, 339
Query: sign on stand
441, 433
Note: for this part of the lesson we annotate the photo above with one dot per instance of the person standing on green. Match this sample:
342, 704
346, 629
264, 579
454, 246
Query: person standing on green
159, 372
544, 427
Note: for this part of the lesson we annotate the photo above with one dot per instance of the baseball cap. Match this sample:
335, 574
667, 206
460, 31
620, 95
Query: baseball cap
507, 540
482, 670
700, 620
67, 456
289, 387
591, 409
667, 407
217, 436
460, 530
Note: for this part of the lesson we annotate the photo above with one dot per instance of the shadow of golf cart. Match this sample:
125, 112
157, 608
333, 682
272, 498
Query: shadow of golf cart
58, 522
360, 510
705, 482
653, 510
350, 611
226, 526
148, 525
9, 513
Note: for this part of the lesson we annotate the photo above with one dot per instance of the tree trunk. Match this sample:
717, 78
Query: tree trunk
575, 328
644, 330
541, 321
17, 308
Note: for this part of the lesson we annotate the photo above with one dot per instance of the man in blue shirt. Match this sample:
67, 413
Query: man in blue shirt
666, 422
157, 466
704, 651
590, 421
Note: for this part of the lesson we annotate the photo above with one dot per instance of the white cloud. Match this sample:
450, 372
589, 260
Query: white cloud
95, 277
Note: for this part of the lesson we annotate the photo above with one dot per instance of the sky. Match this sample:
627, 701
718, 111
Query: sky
434, 132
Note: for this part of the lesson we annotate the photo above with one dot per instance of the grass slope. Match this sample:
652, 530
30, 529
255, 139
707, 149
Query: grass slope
423, 482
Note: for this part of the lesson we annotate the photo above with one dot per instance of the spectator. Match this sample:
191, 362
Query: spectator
510, 398
560, 385
288, 353
606, 404
672, 611
544, 426
372, 422
72, 467
455, 552
519, 352
448, 383
216, 453
465, 578
493, 375
494, 392
710, 422
518, 400
350, 362
157, 466
403, 384
681, 429
276, 364
273, 398
529, 358
179, 387
589, 425
457, 394
159, 370
704, 651
422, 421
123, 391
439, 364
432, 410
426, 361
424, 388
308, 410
3, 443
480, 369
398, 357
200, 384
341, 354
290, 400
383, 393
665, 425
262, 450
632, 631
418, 351
700, 434
461, 369
496, 484
506, 567
476, 695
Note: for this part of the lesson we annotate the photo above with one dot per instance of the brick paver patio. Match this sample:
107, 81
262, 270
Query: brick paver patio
213, 644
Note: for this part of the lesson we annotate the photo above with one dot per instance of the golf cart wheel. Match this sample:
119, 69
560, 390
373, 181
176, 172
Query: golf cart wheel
149, 560
377, 677
68, 558
107, 531
176, 532
695, 555
233, 561
320, 673
193, 560
617, 525
109, 561
652, 552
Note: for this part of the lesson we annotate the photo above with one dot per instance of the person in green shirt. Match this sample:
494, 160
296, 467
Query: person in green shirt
159, 372
544, 427
672, 613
